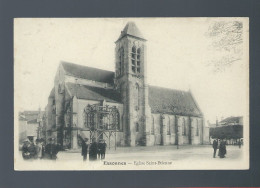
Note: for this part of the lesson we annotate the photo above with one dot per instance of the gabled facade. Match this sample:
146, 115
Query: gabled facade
29, 123
148, 115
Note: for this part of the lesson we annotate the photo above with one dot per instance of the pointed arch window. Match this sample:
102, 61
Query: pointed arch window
120, 68
138, 93
168, 127
197, 128
137, 97
121, 61
183, 127
137, 127
152, 127
136, 60
88, 119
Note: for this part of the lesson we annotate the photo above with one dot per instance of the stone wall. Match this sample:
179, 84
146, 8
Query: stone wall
169, 130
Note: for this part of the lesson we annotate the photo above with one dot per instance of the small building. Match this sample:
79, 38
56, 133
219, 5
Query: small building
29, 123
237, 120
230, 128
32, 129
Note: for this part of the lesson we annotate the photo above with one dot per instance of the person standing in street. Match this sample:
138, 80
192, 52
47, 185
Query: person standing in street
38, 149
93, 150
239, 143
51, 150
215, 147
222, 149
103, 149
99, 145
32, 149
84, 149
43, 143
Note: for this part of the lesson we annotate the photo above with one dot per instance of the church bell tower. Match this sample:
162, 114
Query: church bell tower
130, 81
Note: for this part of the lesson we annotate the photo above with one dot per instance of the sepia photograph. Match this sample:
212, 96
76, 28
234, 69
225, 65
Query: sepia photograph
131, 93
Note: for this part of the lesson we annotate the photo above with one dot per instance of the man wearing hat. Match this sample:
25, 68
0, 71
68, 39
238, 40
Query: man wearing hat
103, 147
84, 150
215, 147
99, 146
93, 150
51, 149
38, 149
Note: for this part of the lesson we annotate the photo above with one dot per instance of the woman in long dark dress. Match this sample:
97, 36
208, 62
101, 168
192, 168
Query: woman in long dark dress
222, 149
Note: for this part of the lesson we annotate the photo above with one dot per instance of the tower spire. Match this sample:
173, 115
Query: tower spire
131, 30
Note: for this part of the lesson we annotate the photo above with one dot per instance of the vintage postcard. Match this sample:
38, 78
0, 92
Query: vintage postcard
131, 93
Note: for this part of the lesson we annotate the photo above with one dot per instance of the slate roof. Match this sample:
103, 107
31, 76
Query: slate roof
132, 30
93, 93
169, 101
88, 73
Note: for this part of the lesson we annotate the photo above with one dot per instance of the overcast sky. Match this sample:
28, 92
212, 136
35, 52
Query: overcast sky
182, 53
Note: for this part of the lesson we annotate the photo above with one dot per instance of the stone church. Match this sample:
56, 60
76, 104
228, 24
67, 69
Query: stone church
120, 107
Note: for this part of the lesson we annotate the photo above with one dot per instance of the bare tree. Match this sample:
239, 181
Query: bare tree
227, 39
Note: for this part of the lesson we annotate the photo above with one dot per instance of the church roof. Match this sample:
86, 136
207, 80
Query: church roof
169, 101
88, 73
93, 93
132, 30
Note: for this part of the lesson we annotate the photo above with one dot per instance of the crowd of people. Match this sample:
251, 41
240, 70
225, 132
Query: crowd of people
40, 150
96, 150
